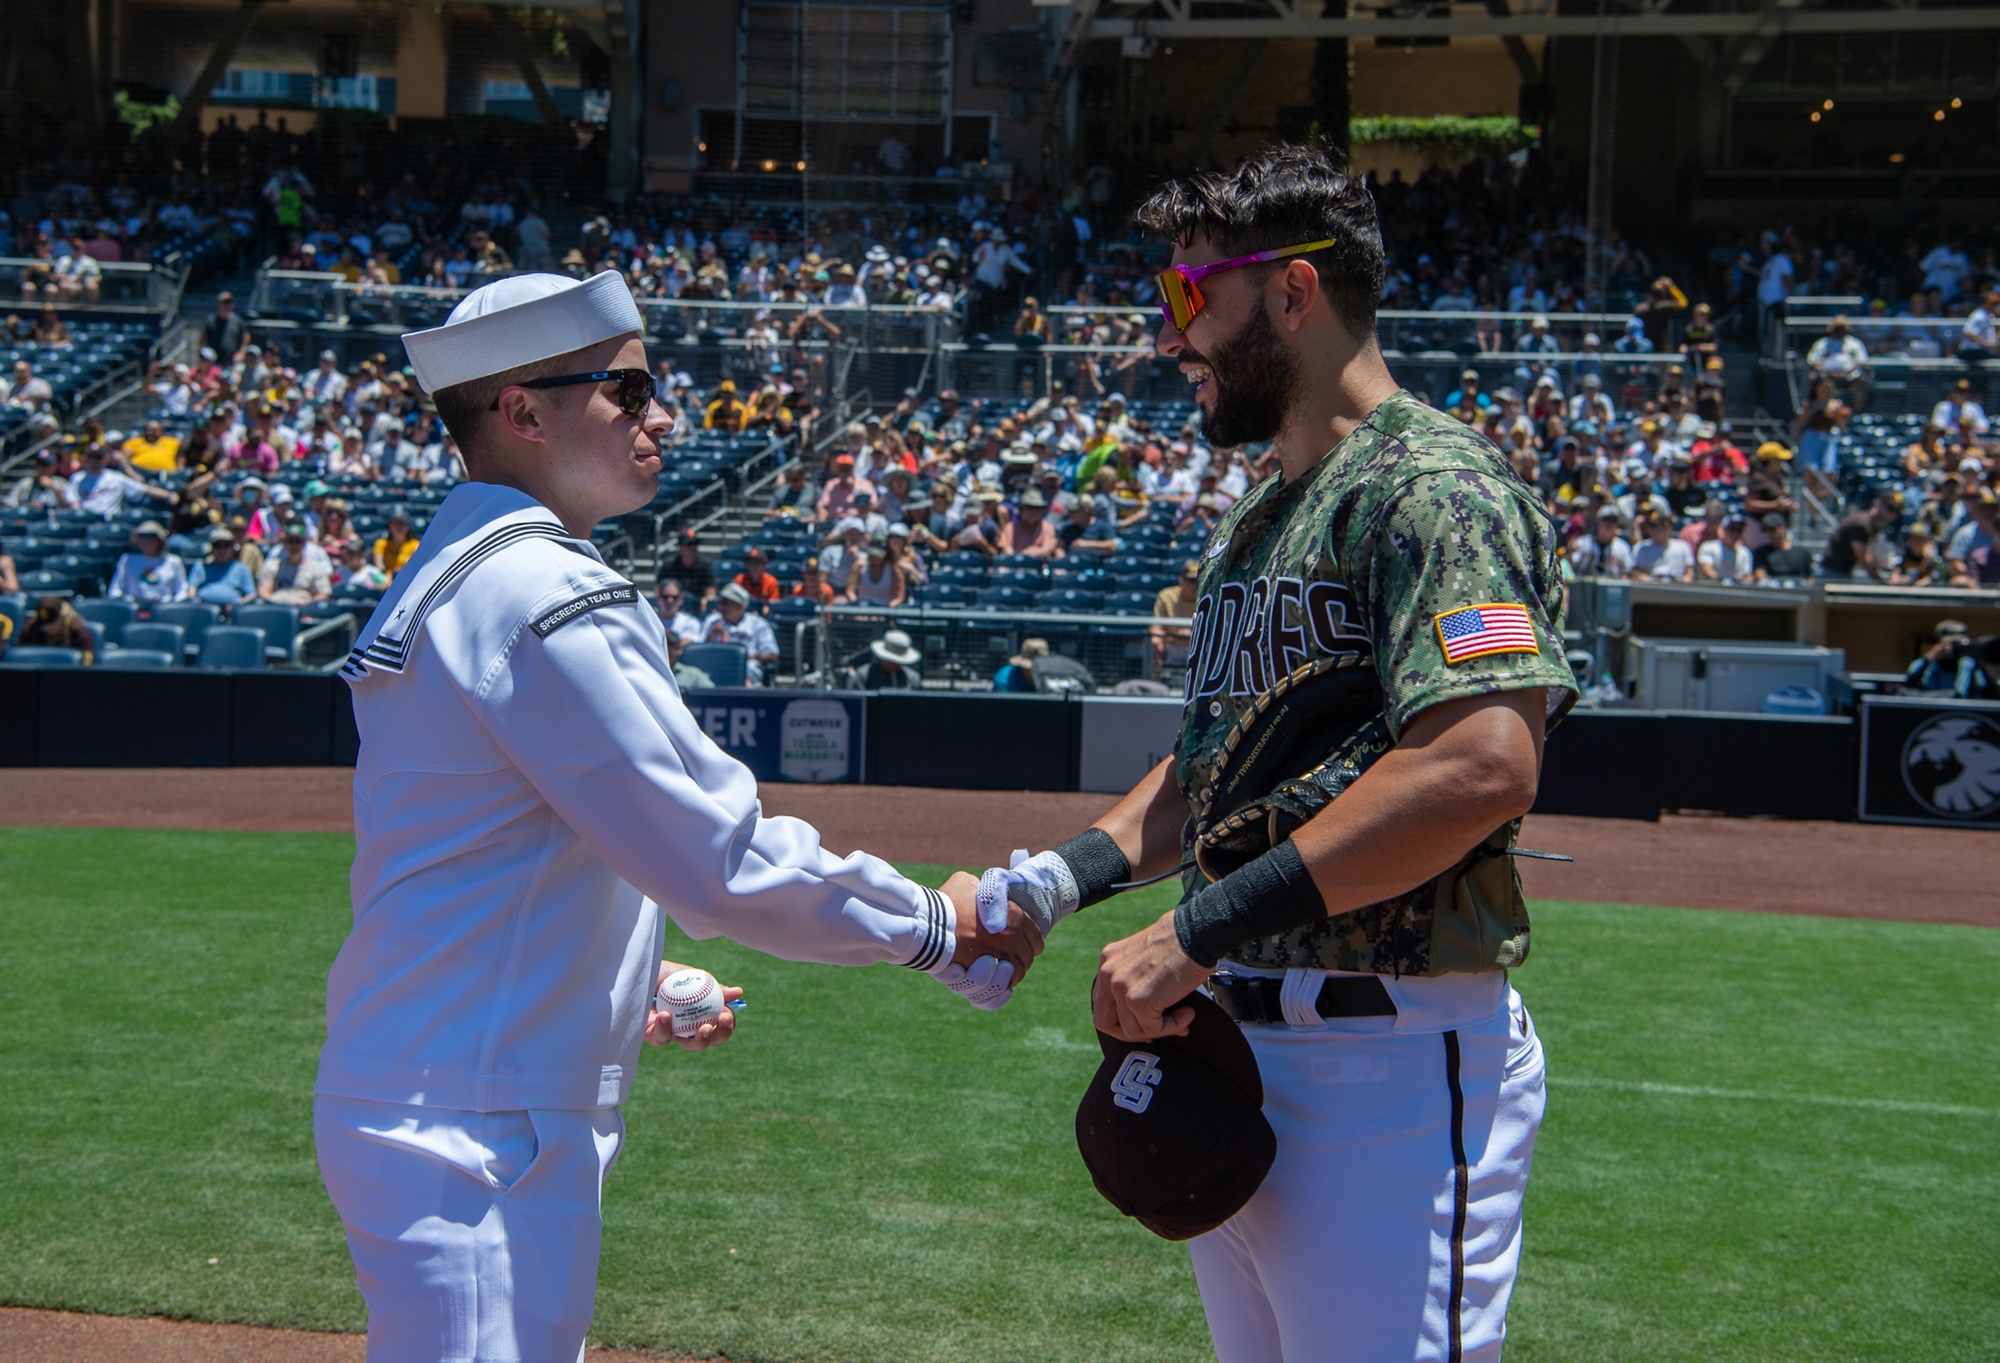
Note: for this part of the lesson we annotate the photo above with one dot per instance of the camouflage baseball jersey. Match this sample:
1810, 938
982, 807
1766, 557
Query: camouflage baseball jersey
1414, 544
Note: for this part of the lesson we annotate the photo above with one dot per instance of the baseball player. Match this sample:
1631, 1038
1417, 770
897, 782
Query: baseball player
1361, 942
531, 793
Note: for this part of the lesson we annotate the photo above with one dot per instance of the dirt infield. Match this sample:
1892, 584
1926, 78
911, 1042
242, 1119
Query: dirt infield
1933, 875
64, 1337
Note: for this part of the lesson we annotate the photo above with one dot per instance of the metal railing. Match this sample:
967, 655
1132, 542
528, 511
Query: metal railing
152, 287
964, 646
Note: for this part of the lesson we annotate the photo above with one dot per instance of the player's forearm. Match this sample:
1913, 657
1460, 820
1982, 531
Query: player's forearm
1462, 769
1147, 823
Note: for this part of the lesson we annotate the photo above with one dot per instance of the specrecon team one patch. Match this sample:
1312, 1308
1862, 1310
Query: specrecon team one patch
1477, 631
569, 610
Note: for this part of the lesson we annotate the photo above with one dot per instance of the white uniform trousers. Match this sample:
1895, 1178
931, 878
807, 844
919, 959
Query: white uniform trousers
474, 1234
1389, 1229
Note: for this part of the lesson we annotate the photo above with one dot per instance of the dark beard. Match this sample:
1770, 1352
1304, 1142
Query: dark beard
1256, 381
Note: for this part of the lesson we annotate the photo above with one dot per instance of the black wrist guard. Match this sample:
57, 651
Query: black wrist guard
1269, 894
1094, 860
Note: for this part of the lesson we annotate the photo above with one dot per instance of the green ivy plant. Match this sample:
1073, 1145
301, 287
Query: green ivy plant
141, 118
1447, 137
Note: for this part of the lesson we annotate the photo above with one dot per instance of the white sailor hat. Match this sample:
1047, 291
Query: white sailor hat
519, 320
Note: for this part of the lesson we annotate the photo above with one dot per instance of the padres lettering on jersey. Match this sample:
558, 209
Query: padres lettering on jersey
1412, 520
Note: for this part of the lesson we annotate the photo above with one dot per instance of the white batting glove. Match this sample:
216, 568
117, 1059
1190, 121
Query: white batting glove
987, 984
1042, 885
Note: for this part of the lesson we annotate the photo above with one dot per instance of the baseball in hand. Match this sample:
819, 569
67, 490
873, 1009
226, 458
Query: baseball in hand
691, 997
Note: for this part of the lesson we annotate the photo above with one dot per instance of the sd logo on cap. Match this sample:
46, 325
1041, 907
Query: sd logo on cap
1173, 1130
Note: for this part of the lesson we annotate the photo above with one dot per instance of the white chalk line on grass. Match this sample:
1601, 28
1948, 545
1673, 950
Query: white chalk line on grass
1752, 1096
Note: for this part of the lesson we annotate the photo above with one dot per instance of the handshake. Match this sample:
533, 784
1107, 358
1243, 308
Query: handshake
1004, 917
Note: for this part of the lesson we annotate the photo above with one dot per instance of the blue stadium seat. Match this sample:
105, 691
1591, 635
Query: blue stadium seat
938, 594
14, 606
113, 615
137, 659
1071, 600
726, 664
232, 646
279, 623
154, 637
41, 655
1129, 603
43, 583
195, 617
1005, 598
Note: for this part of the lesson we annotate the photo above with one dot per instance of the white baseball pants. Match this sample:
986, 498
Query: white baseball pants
474, 1234
1389, 1229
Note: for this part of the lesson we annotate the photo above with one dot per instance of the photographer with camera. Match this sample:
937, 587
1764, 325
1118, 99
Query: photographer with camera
1956, 663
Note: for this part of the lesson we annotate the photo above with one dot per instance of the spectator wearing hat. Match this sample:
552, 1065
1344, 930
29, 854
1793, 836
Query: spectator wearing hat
1030, 533
147, 572
763, 588
670, 600
353, 459
397, 543
1661, 556
727, 412
1851, 550
1767, 488
872, 521
837, 498
847, 550
352, 572
42, 488
812, 584
1604, 552
298, 574
1635, 341
1960, 401
795, 497
1921, 565
892, 666
1839, 356
1971, 552
733, 622
687, 567
686, 676
1778, 559
1018, 674
1951, 666
1979, 336
56, 624
105, 491
877, 580
1725, 558
221, 579
1591, 403
1466, 402
1680, 493
325, 386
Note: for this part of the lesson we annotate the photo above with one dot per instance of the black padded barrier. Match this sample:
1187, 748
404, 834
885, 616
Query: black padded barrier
1603, 765
1777, 766
20, 712
174, 718
972, 742
282, 719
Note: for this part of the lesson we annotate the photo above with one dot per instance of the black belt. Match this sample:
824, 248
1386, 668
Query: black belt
1255, 998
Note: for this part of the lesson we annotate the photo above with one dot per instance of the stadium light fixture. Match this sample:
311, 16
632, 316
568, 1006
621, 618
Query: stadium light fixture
1815, 115
1956, 102
1895, 158
1828, 106
1938, 117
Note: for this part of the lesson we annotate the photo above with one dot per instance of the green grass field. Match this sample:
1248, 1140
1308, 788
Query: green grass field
1768, 1138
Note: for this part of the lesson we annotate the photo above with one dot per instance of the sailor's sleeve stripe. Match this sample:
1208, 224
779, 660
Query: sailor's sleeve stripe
937, 915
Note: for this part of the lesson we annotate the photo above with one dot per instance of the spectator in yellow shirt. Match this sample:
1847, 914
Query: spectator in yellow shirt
153, 450
726, 413
393, 550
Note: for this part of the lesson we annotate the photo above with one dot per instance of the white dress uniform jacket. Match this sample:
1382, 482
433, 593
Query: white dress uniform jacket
531, 791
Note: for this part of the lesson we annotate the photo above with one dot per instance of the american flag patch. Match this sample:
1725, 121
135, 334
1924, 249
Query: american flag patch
1475, 631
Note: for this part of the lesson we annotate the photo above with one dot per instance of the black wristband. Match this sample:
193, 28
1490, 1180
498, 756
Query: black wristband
1096, 863
1272, 894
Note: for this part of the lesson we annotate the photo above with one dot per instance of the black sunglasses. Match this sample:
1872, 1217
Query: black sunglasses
635, 387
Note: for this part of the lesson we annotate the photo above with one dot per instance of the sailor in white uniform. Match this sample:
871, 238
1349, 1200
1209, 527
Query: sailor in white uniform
531, 793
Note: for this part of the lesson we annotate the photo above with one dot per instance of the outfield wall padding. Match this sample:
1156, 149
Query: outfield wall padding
1624, 764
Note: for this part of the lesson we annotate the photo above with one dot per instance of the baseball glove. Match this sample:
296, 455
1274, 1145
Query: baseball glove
1302, 744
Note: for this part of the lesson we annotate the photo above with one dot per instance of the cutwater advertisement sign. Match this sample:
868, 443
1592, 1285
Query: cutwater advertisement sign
1930, 761
809, 736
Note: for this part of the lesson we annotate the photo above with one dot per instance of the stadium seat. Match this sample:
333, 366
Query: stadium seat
197, 618
153, 636
941, 594
14, 606
41, 655
113, 615
279, 623
1005, 598
1129, 603
137, 659
43, 583
232, 646
1071, 600
726, 664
